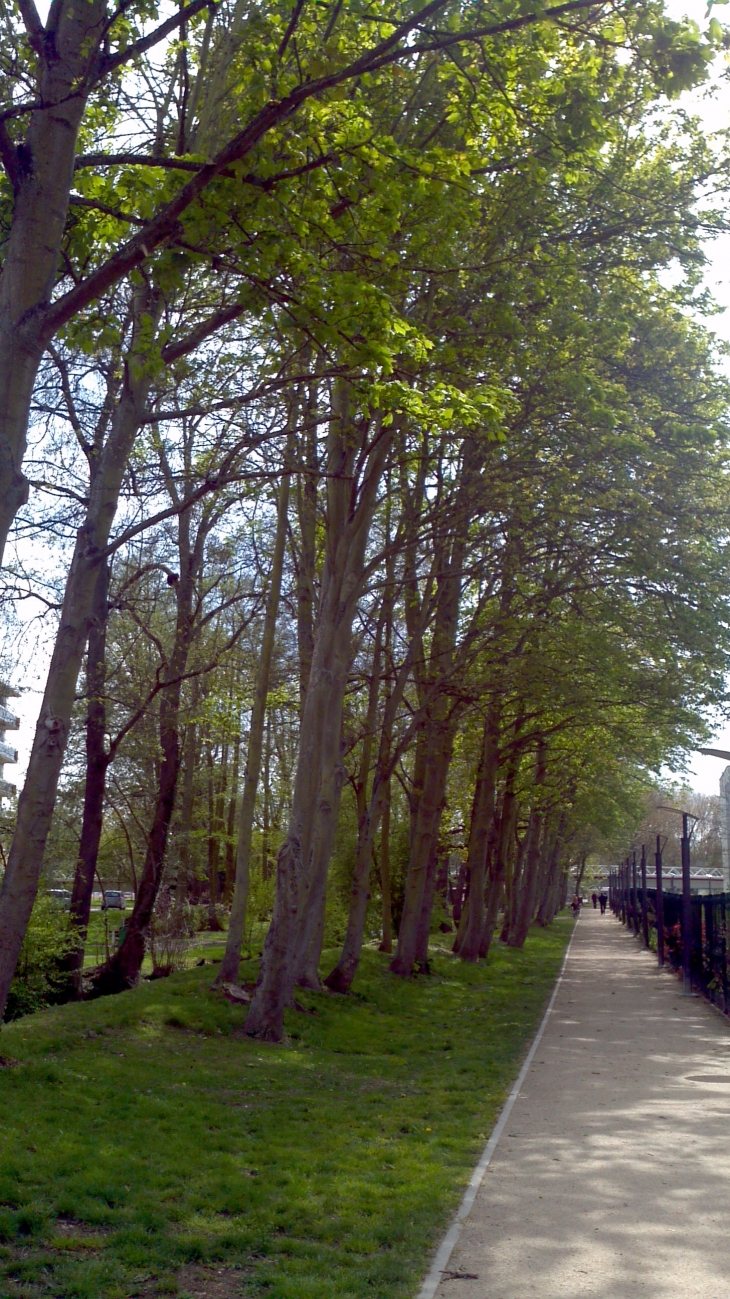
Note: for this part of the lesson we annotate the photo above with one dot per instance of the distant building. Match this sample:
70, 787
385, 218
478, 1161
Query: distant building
8, 722
725, 826
700, 881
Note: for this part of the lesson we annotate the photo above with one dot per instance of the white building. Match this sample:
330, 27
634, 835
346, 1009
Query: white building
8, 722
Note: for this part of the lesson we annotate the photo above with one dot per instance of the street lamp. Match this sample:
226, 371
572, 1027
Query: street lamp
686, 895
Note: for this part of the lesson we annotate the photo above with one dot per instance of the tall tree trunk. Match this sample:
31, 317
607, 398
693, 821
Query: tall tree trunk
525, 894
480, 829
350, 505
229, 968
213, 843
265, 866
97, 762
230, 857
546, 908
423, 929
386, 942
311, 926
437, 749
190, 754
122, 970
340, 978
526, 900
37, 800
370, 813
41, 173
515, 865
307, 515
504, 842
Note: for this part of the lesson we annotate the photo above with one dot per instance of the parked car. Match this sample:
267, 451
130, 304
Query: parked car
61, 895
113, 899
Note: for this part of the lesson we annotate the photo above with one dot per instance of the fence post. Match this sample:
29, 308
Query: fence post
725, 1007
644, 910
635, 907
619, 893
624, 906
686, 910
709, 975
659, 903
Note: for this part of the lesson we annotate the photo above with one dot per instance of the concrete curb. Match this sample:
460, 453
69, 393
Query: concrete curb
446, 1248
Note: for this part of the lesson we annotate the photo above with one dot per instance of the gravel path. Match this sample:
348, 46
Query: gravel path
612, 1177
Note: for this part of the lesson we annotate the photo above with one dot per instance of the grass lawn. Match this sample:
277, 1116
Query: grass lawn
147, 1148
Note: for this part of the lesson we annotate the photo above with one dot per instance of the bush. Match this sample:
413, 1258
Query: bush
40, 979
168, 936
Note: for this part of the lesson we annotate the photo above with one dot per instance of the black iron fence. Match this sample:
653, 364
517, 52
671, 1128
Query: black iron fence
687, 931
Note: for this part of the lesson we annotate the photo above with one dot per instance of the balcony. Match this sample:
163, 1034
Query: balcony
8, 720
7, 754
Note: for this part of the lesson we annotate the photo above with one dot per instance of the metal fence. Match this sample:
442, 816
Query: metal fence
689, 932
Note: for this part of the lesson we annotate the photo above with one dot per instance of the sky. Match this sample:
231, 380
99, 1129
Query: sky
713, 107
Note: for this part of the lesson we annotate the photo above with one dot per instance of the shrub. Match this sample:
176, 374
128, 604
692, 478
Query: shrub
40, 979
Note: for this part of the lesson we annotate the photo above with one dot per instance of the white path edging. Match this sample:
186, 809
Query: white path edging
446, 1248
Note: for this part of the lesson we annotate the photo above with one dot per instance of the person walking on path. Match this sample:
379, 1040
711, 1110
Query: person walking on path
603, 901
594, 899
576, 904
611, 1176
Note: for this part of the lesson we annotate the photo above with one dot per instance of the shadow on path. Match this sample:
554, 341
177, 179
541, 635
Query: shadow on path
612, 1178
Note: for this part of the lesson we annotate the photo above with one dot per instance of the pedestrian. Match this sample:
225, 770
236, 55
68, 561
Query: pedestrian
594, 900
603, 900
576, 904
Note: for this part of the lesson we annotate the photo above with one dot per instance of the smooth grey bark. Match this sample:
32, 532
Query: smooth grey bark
187, 801
123, 968
526, 886
351, 498
435, 793
547, 907
311, 921
480, 829
500, 860
436, 757
41, 172
37, 800
371, 812
386, 941
307, 549
252, 770
97, 761
340, 978
230, 855
526, 900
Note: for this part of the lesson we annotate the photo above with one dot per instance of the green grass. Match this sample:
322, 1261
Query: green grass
142, 1135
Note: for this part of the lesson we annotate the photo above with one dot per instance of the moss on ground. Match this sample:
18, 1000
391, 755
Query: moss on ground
148, 1148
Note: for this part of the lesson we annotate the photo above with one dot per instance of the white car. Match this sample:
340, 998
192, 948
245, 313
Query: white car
113, 900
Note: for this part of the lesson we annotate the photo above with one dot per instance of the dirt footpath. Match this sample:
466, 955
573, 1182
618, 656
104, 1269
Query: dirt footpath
612, 1177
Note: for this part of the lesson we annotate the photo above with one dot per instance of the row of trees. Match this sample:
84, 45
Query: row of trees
385, 476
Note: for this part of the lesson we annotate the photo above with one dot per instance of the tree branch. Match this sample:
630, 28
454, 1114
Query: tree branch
165, 224
32, 20
9, 157
113, 61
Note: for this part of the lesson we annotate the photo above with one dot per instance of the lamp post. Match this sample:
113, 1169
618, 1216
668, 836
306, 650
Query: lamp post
644, 911
659, 902
686, 896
